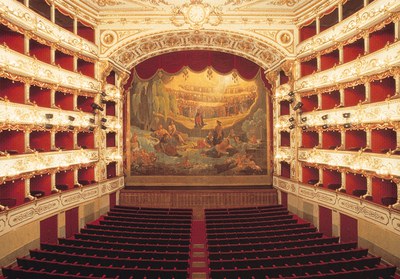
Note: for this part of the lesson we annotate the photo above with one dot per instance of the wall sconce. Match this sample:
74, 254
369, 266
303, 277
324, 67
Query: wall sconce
71, 118
291, 93
91, 120
70, 127
325, 126
347, 125
103, 127
292, 126
324, 117
104, 119
304, 128
346, 115
48, 126
91, 129
96, 106
291, 119
103, 94
303, 119
49, 115
298, 105
291, 100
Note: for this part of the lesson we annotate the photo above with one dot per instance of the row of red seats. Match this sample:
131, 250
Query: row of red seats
138, 228
153, 211
145, 225
380, 271
289, 260
125, 246
107, 261
20, 273
270, 221
134, 240
210, 211
99, 271
275, 216
262, 240
297, 270
244, 248
148, 220
115, 253
260, 236
269, 232
234, 216
163, 236
270, 226
282, 252
149, 216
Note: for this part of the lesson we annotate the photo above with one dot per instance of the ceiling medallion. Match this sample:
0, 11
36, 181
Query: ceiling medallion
196, 14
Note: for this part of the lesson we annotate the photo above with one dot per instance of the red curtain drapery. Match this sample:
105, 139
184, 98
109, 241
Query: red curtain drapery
198, 60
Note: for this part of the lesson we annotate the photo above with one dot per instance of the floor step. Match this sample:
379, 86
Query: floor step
199, 275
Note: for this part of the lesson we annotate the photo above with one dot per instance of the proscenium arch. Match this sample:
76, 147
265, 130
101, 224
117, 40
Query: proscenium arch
133, 50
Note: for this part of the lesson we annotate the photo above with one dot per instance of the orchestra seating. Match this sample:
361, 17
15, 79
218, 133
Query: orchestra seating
269, 242
129, 242
242, 243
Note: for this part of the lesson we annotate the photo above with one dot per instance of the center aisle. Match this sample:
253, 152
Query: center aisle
198, 251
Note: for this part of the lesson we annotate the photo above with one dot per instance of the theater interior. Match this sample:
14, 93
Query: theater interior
199, 139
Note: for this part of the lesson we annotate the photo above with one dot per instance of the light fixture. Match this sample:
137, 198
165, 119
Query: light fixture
70, 127
298, 105
346, 115
103, 127
91, 129
347, 125
49, 115
91, 120
304, 128
325, 126
303, 119
291, 119
291, 93
291, 100
96, 106
71, 118
292, 126
104, 119
324, 117
48, 126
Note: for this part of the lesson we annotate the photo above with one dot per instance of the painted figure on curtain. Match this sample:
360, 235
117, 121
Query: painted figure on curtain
198, 123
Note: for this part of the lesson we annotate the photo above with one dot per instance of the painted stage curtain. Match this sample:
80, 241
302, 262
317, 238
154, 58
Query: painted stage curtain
198, 60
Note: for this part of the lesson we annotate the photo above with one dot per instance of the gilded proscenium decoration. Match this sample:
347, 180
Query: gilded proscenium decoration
251, 48
30, 22
377, 62
13, 114
384, 165
196, 14
355, 207
19, 164
103, 3
378, 113
375, 12
16, 63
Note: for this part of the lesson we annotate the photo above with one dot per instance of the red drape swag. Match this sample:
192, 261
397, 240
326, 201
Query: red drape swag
197, 60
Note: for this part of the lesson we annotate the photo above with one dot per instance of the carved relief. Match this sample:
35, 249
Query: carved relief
141, 49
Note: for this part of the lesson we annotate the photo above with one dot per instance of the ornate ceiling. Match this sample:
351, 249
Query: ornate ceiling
263, 31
